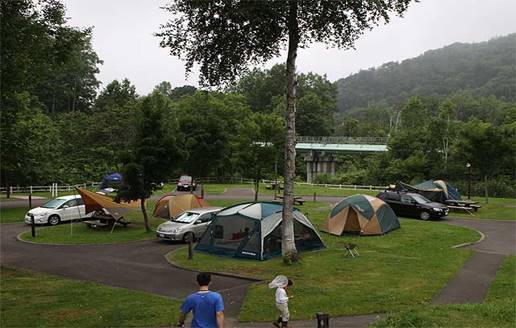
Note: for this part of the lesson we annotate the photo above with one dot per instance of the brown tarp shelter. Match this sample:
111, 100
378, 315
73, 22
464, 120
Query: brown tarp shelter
362, 214
96, 202
170, 206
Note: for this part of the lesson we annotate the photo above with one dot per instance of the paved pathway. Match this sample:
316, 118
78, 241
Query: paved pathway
471, 283
139, 266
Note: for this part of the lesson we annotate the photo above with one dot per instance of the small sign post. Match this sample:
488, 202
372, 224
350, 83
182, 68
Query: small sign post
32, 226
190, 249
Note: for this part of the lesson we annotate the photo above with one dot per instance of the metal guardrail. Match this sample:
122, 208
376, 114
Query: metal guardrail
343, 140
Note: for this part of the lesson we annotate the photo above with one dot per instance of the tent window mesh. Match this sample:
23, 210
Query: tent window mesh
305, 238
253, 246
272, 242
231, 231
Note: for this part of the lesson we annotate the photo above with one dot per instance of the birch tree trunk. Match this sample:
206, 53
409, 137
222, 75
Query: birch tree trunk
288, 246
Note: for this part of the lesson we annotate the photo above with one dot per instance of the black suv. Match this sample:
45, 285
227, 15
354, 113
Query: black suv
413, 205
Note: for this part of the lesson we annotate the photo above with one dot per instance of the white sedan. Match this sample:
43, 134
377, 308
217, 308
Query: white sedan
63, 208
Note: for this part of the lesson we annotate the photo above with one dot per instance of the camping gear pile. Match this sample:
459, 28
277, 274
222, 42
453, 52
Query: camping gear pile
435, 190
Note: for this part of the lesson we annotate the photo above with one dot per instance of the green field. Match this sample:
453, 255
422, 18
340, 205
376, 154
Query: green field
498, 309
40, 300
401, 269
12, 215
497, 208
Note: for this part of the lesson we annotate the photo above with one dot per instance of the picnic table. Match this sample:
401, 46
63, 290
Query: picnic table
297, 199
102, 220
462, 204
274, 186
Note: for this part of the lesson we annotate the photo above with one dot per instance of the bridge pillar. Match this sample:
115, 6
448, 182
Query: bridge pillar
319, 163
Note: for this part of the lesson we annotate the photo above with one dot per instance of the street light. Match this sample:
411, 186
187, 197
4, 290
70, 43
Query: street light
469, 180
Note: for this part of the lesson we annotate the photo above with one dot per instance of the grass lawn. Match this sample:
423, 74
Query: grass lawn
403, 268
40, 300
498, 309
308, 190
12, 215
218, 189
79, 233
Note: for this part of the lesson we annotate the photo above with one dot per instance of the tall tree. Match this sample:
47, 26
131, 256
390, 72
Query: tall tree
260, 138
224, 37
208, 122
152, 156
485, 147
116, 94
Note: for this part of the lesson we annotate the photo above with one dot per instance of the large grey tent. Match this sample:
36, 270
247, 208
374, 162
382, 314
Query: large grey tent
253, 230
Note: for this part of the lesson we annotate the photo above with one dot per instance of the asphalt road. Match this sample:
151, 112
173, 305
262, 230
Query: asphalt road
138, 265
472, 282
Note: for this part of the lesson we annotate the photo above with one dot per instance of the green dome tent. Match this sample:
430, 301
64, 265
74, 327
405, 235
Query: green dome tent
363, 214
253, 230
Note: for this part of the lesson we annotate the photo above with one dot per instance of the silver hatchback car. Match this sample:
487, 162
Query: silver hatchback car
189, 224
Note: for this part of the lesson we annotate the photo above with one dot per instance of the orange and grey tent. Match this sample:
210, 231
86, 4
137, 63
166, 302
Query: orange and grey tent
361, 214
172, 205
96, 202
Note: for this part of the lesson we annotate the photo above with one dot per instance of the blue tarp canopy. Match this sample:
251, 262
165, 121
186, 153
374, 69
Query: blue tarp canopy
113, 177
111, 181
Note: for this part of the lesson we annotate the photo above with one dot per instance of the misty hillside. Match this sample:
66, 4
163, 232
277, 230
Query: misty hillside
486, 68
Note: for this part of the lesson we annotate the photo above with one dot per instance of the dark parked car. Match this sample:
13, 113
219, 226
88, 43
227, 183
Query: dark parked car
413, 205
185, 183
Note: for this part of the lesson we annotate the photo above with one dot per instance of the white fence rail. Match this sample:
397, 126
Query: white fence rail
51, 188
55, 188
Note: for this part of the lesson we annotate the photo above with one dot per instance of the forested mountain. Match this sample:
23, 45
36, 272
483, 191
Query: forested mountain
486, 68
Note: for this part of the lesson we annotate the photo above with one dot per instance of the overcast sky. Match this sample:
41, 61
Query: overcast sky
123, 38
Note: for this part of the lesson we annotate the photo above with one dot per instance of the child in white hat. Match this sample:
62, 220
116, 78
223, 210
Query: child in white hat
281, 283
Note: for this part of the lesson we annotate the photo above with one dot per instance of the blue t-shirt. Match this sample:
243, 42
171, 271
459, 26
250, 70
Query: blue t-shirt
205, 306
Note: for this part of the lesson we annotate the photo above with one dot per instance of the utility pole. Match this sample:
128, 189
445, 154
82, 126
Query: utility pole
469, 180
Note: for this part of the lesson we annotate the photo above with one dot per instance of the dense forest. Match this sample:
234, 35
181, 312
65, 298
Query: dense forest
484, 69
58, 124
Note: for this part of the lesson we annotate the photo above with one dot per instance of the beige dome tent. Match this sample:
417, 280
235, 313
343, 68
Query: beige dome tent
363, 214
171, 206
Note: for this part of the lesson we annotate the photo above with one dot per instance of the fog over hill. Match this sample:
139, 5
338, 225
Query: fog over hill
486, 68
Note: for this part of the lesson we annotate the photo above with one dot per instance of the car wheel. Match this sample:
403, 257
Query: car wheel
188, 236
53, 220
424, 216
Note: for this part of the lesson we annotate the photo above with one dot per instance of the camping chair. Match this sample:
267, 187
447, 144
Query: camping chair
352, 249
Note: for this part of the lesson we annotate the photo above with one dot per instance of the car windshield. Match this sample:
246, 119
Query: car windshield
54, 203
185, 179
186, 217
421, 199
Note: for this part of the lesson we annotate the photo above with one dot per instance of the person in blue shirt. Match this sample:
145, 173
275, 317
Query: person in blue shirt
207, 306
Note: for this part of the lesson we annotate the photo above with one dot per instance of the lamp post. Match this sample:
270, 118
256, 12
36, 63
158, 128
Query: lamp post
469, 180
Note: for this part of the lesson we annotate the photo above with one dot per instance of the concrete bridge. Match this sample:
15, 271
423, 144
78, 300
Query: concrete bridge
320, 151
